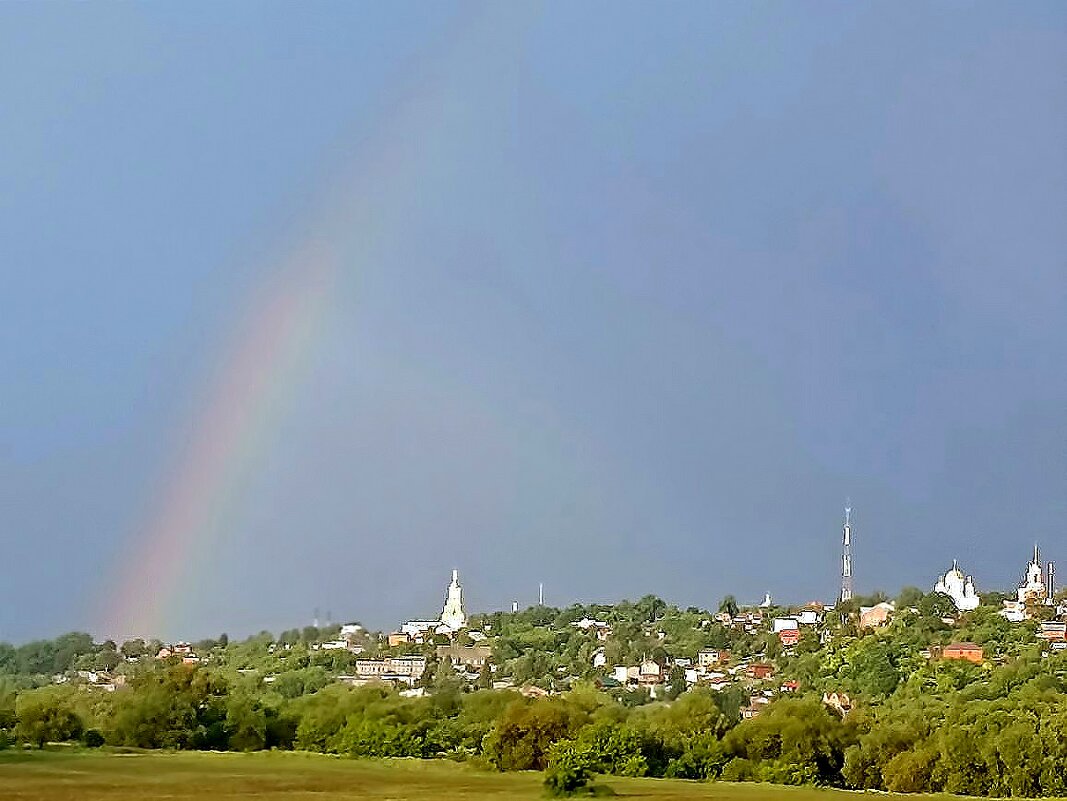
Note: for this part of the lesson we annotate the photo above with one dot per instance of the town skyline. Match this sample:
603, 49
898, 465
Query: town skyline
454, 620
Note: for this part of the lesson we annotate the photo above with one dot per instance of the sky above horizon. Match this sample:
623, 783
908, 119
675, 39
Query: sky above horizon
306, 305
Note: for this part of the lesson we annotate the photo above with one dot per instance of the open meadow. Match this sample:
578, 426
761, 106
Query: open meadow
101, 776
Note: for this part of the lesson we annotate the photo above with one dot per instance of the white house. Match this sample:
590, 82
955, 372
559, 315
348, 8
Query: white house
331, 645
599, 658
809, 617
707, 657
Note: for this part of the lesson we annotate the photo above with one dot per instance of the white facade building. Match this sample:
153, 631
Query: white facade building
959, 588
809, 617
418, 628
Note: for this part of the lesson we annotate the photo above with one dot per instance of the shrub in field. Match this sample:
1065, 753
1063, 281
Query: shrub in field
92, 738
569, 769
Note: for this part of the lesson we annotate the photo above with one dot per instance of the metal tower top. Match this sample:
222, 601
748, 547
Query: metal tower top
846, 556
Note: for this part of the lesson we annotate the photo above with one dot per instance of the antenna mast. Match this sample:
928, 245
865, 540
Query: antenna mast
846, 556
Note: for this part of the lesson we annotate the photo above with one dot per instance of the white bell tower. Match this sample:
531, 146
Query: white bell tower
453, 615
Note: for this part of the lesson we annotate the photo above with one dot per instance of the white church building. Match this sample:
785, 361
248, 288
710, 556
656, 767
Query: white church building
958, 587
452, 616
452, 619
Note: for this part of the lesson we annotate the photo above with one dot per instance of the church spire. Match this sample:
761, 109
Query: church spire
453, 615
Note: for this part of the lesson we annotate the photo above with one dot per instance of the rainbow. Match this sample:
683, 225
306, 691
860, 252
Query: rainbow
359, 212
243, 405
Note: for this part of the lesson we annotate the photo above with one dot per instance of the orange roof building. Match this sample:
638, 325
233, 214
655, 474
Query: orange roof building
970, 651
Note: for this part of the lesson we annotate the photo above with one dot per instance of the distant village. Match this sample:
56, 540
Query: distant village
401, 658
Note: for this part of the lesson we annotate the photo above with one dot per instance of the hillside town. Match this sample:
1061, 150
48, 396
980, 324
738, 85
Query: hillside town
691, 691
750, 650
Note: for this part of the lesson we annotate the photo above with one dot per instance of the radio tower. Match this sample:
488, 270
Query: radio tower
846, 557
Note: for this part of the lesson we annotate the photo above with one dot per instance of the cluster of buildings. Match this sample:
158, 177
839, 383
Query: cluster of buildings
98, 679
453, 620
1038, 588
599, 628
183, 650
406, 670
396, 670
715, 669
470, 655
348, 639
789, 628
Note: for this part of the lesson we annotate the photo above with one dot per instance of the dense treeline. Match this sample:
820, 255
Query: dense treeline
918, 723
955, 728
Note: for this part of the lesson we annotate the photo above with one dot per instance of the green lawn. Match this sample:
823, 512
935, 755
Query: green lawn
98, 776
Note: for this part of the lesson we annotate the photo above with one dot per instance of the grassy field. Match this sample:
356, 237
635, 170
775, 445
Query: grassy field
97, 776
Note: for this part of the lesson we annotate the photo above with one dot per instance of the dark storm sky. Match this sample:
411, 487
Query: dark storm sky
629, 299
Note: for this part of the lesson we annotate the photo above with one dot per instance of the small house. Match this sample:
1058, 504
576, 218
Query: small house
964, 650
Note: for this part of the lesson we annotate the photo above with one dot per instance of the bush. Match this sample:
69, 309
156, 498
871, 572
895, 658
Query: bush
739, 769
92, 738
524, 733
569, 769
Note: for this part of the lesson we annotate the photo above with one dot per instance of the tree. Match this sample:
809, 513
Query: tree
45, 657
729, 606
133, 649
795, 741
872, 668
175, 707
45, 716
569, 769
909, 772
936, 605
676, 684
909, 597
295, 683
106, 659
246, 722
485, 677
648, 607
447, 687
428, 673
522, 736
613, 748
8, 696
289, 637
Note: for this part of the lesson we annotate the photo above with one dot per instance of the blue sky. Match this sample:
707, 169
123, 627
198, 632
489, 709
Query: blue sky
630, 298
